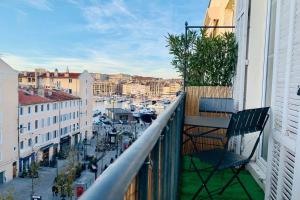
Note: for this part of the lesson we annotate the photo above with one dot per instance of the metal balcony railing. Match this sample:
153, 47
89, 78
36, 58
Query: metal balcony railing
150, 167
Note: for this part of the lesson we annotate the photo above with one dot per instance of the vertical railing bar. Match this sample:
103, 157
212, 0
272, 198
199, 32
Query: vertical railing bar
143, 181
155, 182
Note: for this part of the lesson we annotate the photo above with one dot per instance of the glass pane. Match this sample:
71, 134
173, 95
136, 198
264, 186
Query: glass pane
269, 77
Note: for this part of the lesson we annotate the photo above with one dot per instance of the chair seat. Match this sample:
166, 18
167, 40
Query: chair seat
214, 156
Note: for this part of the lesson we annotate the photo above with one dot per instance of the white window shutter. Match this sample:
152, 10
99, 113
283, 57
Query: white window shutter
241, 32
284, 159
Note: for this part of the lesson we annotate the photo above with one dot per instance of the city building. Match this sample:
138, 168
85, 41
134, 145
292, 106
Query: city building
135, 89
48, 123
106, 88
220, 13
8, 122
77, 84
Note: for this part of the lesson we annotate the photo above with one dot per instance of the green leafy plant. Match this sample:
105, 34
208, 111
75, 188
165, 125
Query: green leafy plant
211, 61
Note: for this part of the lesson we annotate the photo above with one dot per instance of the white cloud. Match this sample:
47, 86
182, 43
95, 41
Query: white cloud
39, 4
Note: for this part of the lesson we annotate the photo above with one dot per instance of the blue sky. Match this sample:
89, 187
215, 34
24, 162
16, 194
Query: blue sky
106, 36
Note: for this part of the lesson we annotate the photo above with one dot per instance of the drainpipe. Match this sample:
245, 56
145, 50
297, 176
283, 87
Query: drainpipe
247, 55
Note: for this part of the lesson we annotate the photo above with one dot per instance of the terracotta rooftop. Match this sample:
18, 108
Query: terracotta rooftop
50, 75
31, 97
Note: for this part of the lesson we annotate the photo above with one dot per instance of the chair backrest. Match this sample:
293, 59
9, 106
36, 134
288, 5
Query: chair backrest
248, 121
217, 105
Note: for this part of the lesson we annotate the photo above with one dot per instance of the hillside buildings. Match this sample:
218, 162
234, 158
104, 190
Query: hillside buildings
8, 122
48, 123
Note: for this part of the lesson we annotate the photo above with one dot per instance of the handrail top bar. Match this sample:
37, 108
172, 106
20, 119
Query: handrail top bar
113, 183
210, 27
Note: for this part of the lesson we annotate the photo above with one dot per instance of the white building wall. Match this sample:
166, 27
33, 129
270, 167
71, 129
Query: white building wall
64, 112
8, 120
86, 109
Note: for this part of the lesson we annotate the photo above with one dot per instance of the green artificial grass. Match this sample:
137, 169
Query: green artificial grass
190, 183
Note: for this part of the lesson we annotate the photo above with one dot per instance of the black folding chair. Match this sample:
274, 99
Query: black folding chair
220, 158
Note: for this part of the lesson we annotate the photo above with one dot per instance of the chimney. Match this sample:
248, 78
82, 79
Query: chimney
67, 72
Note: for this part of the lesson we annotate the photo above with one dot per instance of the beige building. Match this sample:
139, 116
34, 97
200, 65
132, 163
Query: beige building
136, 89
8, 122
48, 123
77, 84
220, 13
106, 88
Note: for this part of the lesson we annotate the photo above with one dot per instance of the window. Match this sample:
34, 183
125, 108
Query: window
77, 125
269, 76
36, 108
42, 123
42, 108
48, 107
29, 142
49, 121
54, 106
61, 131
66, 104
70, 80
74, 127
21, 111
70, 91
55, 134
48, 136
73, 115
36, 124
28, 126
21, 145
54, 119
29, 110
36, 139
21, 128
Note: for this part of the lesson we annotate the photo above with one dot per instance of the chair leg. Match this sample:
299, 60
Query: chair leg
236, 173
204, 182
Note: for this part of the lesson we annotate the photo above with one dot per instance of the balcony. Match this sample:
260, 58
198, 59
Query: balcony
154, 167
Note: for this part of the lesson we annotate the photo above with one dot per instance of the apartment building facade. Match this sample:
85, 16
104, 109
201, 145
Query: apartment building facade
49, 122
77, 84
220, 13
8, 122
106, 88
268, 74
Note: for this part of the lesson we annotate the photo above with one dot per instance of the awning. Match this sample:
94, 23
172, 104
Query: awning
66, 138
46, 147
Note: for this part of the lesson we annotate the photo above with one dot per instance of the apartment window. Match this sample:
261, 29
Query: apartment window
36, 124
49, 121
74, 127
66, 104
48, 107
48, 136
42, 108
36, 139
36, 108
77, 125
54, 119
29, 126
21, 111
61, 131
21, 145
55, 134
21, 128
70, 80
20, 80
70, 91
29, 110
73, 115
54, 106
42, 123
30, 142
61, 105
86, 102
